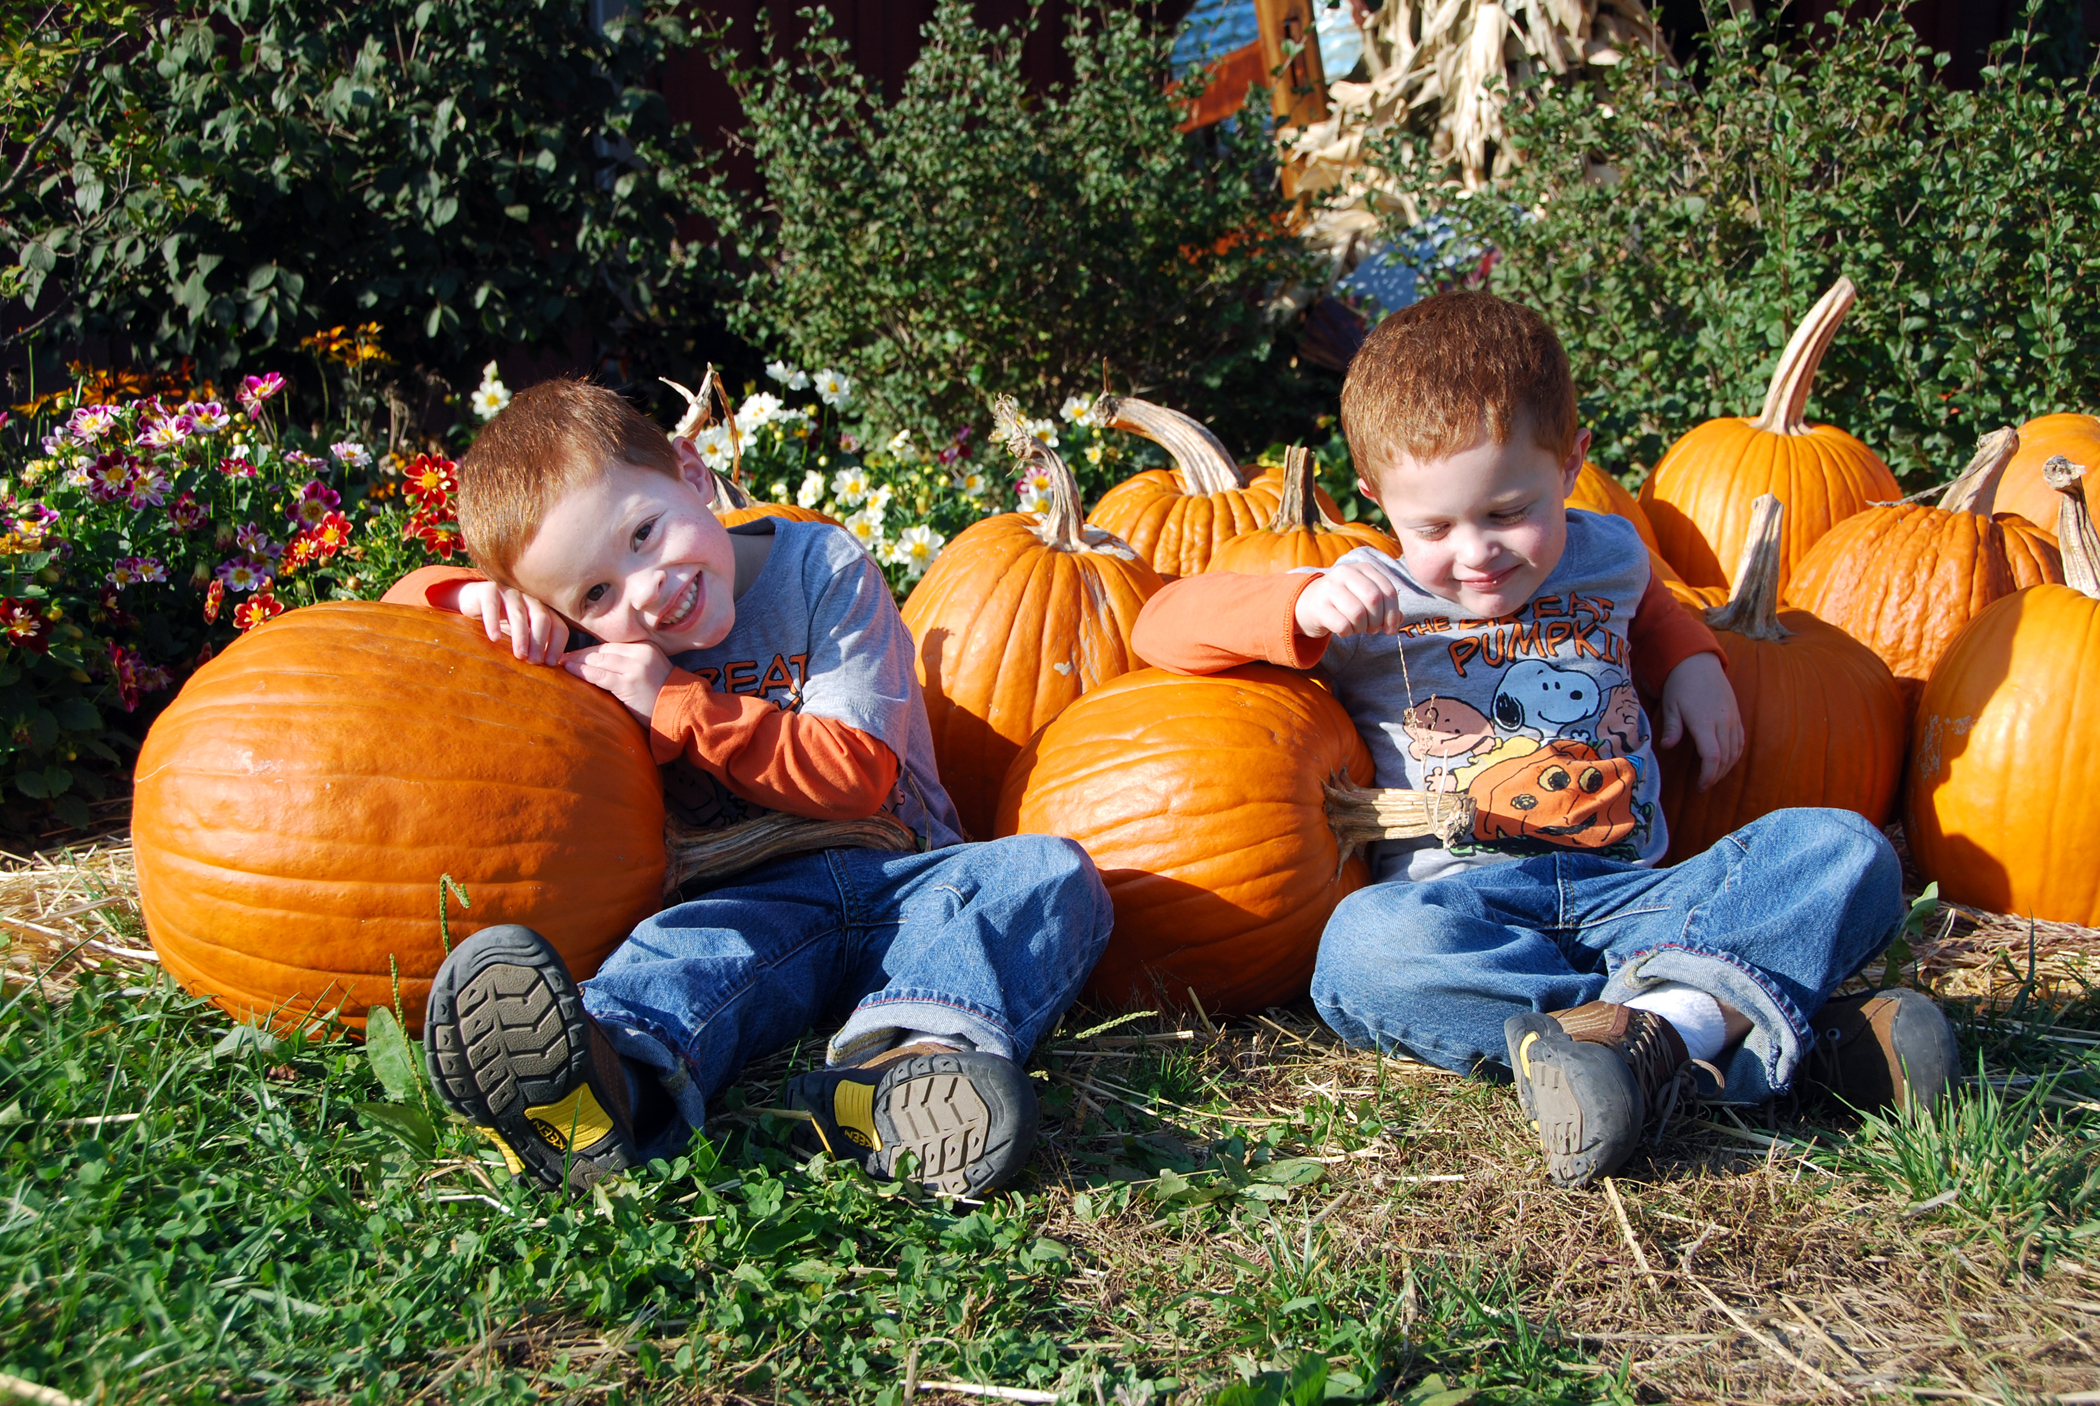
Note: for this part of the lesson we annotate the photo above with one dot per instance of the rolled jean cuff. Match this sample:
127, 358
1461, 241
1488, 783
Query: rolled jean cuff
876, 1023
649, 1055
1770, 1053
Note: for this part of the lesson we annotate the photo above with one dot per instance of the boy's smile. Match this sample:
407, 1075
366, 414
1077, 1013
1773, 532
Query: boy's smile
636, 557
1484, 527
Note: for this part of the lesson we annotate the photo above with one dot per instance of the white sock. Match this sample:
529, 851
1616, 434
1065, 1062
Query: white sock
927, 1037
1695, 1016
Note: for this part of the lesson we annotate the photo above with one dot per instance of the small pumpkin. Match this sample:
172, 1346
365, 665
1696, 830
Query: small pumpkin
1699, 496
1903, 578
1178, 518
1822, 715
2003, 770
2023, 490
1301, 533
1021, 614
1224, 812
731, 503
297, 803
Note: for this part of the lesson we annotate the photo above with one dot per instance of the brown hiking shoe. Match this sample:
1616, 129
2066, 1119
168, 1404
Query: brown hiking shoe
1592, 1079
1881, 1050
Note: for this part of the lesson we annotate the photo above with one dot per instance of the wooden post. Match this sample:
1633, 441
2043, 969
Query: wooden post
1290, 47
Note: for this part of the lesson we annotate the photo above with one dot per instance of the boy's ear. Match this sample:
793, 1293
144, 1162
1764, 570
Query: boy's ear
694, 470
1571, 468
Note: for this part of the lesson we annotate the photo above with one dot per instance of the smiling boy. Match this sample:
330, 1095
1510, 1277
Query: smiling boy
772, 672
1496, 658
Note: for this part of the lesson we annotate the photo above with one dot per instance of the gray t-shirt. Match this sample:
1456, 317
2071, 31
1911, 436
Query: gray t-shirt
818, 633
1534, 714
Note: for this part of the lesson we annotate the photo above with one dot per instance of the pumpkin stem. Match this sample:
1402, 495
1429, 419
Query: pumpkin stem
1976, 489
2074, 526
719, 853
729, 494
1753, 606
1203, 462
1786, 401
1299, 510
1061, 520
1361, 814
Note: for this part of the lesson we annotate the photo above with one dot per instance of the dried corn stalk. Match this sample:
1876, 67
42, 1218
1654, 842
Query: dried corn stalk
719, 854
1441, 71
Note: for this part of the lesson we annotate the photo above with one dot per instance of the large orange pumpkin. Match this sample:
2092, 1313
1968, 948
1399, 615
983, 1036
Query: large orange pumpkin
1903, 578
298, 801
1021, 614
1699, 496
2023, 490
1301, 533
1598, 492
1178, 518
1224, 812
2030, 551
1822, 716
2003, 768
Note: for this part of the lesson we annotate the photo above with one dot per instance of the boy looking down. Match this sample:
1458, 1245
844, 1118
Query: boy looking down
1504, 656
772, 671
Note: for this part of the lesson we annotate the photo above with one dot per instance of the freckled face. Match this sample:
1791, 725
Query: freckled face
1482, 528
636, 557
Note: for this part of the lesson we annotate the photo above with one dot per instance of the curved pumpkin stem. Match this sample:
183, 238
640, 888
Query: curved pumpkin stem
1300, 510
1063, 524
1786, 401
1975, 490
1753, 606
1361, 814
1206, 466
2074, 526
729, 492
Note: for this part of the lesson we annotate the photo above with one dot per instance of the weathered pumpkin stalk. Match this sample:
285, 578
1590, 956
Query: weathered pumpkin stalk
1786, 401
1062, 526
1204, 463
1300, 509
729, 489
729, 850
1752, 610
1976, 489
1360, 814
2074, 526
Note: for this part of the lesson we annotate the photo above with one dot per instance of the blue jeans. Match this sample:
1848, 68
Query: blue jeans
989, 942
1768, 921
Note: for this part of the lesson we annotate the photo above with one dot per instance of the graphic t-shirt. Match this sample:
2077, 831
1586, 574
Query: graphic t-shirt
818, 633
1534, 715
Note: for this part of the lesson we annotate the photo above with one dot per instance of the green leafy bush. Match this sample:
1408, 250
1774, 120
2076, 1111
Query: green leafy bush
967, 237
1673, 229
217, 177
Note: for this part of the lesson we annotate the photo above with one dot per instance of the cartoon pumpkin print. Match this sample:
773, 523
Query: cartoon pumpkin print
1563, 794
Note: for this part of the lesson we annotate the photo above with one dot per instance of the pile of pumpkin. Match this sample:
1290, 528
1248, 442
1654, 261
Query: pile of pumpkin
297, 805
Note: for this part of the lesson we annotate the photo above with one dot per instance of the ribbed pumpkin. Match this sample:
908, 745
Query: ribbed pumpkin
1699, 496
1301, 533
1224, 813
1822, 716
1021, 614
1904, 578
2030, 551
1178, 518
297, 802
2003, 768
2071, 435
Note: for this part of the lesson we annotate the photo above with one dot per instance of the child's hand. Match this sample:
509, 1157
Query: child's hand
1349, 599
537, 634
632, 673
1698, 700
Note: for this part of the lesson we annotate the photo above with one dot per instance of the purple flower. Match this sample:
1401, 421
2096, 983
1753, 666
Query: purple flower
206, 417
186, 513
315, 501
240, 574
307, 462
165, 433
149, 484
109, 477
90, 422
254, 541
257, 389
130, 571
152, 678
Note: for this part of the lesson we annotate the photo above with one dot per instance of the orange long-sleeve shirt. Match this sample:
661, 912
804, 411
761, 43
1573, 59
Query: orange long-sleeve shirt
782, 759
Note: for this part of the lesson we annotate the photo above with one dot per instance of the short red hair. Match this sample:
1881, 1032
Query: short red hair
1434, 377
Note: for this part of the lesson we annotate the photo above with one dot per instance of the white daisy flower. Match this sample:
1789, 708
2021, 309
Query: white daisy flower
759, 409
1044, 430
491, 395
1079, 410
833, 388
351, 455
974, 482
916, 548
789, 376
901, 443
812, 490
850, 485
866, 528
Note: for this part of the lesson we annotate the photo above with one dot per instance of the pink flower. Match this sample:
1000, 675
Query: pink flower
120, 667
314, 503
130, 571
90, 422
149, 484
186, 513
165, 433
206, 417
257, 389
254, 541
240, 574
236, 468
109, 477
